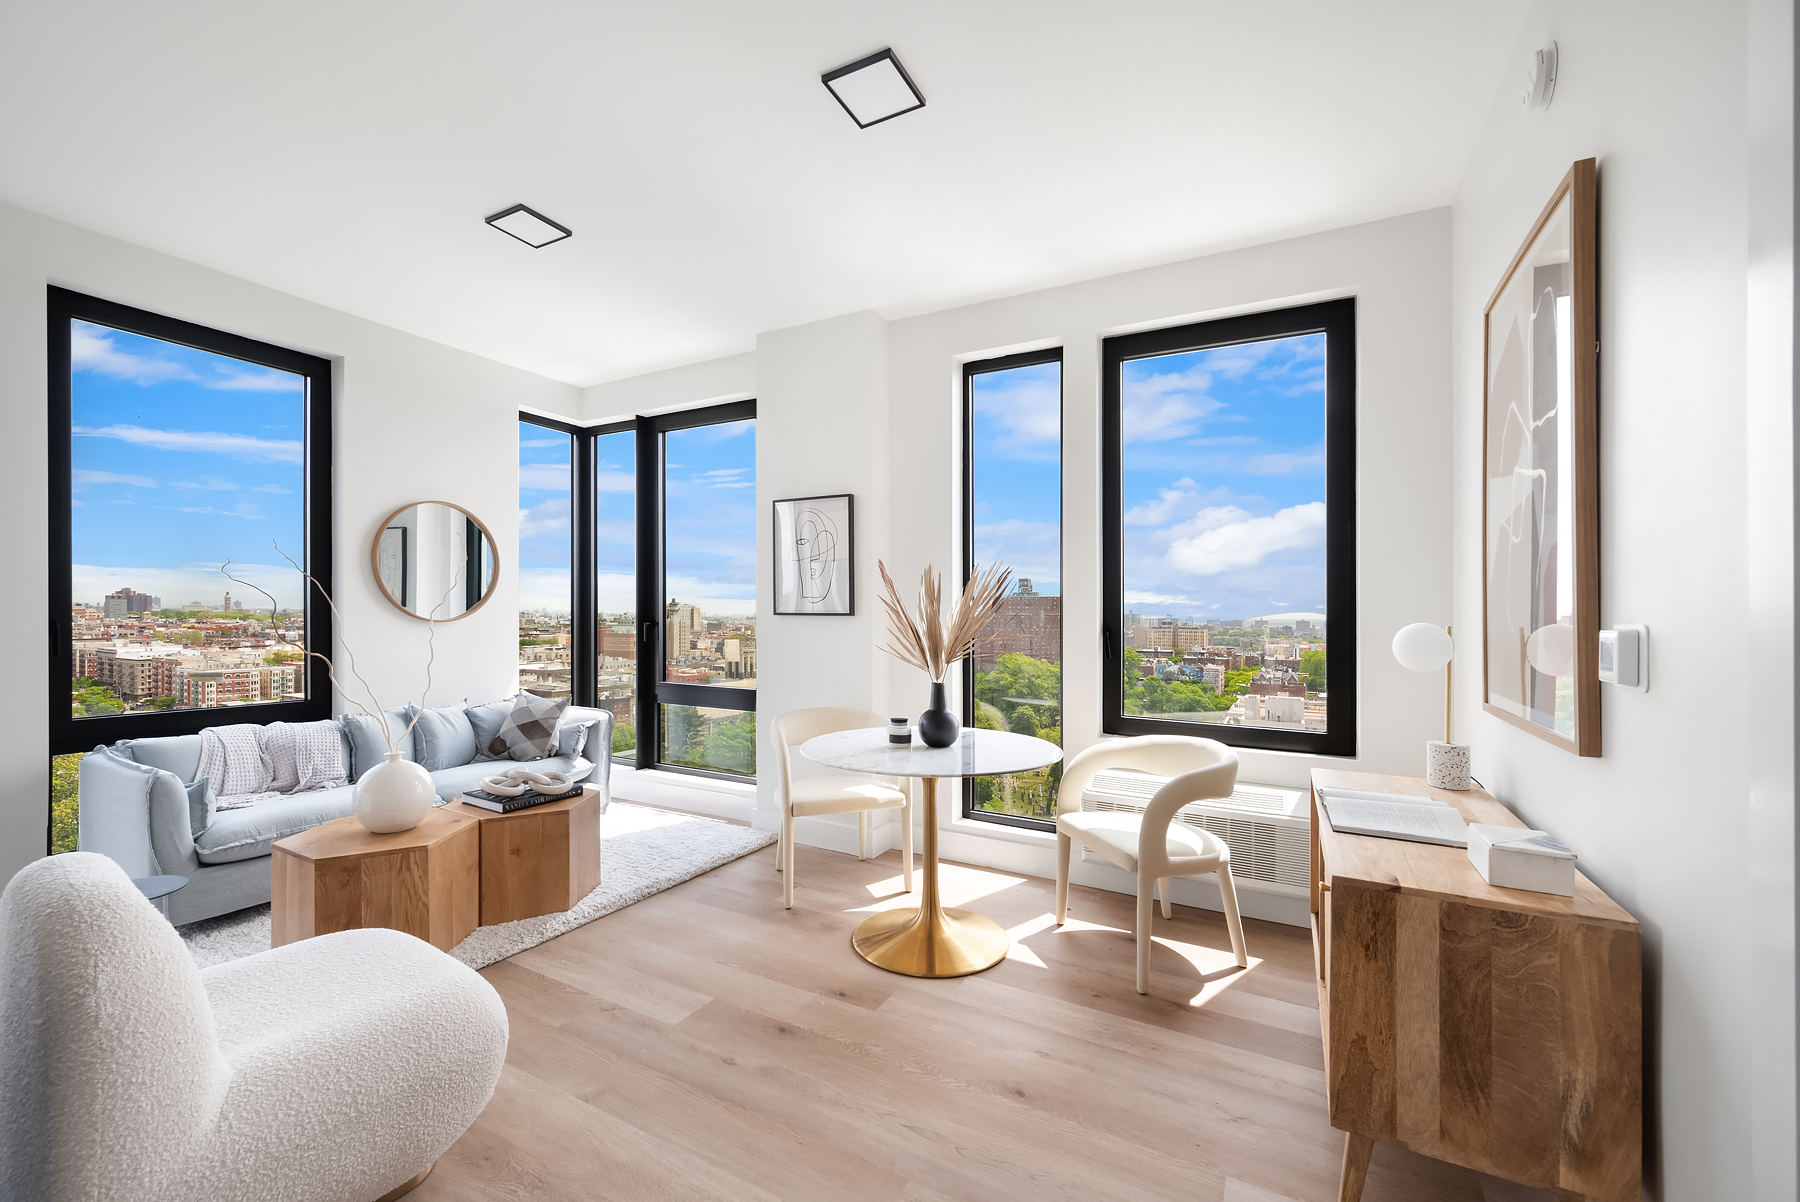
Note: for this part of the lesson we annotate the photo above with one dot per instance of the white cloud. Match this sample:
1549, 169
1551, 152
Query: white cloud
1282, 463
548, 477
241, 512
189, 582
271, 488
1029, 548
550, 517
1027, 411
92, 349
212, 483
615, 481
545, 442
1242, 541
81, 478
239, 446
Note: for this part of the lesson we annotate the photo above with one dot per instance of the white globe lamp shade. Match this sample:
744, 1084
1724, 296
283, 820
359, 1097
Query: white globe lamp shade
1423, 647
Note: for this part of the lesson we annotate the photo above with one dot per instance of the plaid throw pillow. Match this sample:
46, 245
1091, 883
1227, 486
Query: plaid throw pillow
530, 730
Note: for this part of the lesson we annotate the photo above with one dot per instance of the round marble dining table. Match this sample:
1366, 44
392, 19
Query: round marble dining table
931, 941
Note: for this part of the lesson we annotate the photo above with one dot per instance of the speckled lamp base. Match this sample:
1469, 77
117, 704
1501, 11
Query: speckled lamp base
1447, 766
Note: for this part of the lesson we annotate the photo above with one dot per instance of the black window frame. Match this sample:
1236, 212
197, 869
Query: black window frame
69, 734
970, 369
1336, 319
653, 599
584, 673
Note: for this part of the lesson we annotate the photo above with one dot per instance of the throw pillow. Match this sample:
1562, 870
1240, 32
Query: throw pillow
443, 738
530, 730
571, 737
367, 747
487, 721
201, 806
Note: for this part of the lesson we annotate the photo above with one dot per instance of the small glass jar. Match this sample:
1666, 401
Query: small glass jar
899, 731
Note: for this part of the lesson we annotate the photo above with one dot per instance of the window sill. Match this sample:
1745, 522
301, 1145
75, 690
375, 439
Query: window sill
690, 794
1000, 831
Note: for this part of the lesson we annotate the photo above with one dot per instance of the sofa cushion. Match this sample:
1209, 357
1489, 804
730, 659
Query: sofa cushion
454, 782
443, 738
487, 721
367, 747
202, 805
178, 754
529, 732
247, 833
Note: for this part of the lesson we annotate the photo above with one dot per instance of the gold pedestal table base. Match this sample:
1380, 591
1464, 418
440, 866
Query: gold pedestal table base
931, 941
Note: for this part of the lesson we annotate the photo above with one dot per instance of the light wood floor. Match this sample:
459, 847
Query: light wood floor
707, 1044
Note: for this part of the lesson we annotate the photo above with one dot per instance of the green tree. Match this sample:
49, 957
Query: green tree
1312, 666
65, 801
729, 747
1018, 675
989, 717
162, 703
90, 699
624, 738
1024, 721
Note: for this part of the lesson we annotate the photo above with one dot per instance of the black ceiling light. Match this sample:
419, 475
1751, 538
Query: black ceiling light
874, 89
529, 226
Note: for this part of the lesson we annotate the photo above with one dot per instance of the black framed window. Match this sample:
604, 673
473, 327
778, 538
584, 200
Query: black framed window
696, 539
174, 450
1012, 514
1229, 528
548, 542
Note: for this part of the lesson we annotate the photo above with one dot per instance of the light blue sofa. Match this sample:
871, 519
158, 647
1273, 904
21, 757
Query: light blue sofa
134, 798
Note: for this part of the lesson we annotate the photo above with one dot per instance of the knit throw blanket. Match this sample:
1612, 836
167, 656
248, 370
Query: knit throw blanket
250, 764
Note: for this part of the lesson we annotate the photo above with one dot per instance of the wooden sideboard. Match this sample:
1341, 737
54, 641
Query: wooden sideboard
1498, 1029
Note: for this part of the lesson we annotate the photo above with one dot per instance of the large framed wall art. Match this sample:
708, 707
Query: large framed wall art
1540, 499
815, 565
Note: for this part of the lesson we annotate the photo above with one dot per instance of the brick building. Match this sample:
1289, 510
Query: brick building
1028, 623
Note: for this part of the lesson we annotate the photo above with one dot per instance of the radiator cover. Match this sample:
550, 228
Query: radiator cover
1266, 827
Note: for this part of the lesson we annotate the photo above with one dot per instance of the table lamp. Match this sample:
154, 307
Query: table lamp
1423, 647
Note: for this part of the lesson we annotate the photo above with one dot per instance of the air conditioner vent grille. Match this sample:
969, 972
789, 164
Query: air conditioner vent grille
1265, 827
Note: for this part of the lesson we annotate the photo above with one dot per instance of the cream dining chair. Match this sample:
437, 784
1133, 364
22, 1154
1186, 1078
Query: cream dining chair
1152, 844
840, 793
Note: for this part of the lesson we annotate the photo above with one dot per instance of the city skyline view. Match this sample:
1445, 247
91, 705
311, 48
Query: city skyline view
181, 460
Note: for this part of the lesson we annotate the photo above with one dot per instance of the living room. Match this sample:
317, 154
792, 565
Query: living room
690, 327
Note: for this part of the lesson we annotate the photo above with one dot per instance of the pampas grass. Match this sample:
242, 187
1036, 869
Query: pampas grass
929, 643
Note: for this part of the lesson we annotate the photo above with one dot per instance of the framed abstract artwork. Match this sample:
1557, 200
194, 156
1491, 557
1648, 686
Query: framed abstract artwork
1540, 498
815, 555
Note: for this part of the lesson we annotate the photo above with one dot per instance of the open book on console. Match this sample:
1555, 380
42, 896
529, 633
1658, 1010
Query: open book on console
1395, 816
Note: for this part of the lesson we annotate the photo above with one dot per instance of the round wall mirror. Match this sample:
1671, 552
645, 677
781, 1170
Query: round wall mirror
434, 561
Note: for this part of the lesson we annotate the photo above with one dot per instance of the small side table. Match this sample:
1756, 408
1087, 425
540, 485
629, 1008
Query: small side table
341, 876
537, 861
154, 887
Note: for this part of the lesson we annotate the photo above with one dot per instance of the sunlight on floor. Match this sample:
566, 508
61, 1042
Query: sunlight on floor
958, 886
1217, 967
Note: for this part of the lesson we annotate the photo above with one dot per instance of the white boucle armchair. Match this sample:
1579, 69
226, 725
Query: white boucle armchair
336, 1069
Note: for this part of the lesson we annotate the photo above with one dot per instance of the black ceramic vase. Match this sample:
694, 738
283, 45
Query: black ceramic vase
938, 727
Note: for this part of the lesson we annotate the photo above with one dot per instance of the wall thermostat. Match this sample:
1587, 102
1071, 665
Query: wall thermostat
1540, 79
1625, 657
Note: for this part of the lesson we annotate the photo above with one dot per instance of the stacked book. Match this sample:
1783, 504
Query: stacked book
509, 805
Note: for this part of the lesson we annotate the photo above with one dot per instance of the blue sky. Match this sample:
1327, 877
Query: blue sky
544, 488
616, 476
709, 517
1224, 480
1017, 449
183, 459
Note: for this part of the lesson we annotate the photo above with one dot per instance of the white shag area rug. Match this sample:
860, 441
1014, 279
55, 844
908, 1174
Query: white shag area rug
642, 852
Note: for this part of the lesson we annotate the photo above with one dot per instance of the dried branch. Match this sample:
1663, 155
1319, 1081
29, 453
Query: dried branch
929, 643
330, 674
338, 627
431, 641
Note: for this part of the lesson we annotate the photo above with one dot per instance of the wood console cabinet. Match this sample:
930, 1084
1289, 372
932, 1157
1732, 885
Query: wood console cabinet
1498, 1029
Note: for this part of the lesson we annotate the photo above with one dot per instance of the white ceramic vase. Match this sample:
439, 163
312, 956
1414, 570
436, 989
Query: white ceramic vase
394, 795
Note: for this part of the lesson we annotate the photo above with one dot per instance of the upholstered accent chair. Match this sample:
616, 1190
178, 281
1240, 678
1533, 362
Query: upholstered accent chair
336, 1069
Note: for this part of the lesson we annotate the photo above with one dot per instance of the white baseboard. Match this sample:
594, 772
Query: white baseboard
689, 794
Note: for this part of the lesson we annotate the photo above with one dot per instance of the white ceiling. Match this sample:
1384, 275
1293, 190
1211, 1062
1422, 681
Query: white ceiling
346, 152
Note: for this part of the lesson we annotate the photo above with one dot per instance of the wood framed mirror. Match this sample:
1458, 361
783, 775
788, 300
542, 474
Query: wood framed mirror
434, 561
1540, 478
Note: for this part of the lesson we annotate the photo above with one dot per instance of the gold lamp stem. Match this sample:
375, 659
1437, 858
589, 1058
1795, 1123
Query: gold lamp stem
1447, 666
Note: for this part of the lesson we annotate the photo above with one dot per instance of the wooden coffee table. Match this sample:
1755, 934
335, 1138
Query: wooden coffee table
537, 861
340, 876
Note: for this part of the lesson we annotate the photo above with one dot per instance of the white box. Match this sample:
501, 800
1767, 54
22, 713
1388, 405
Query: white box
1513, 858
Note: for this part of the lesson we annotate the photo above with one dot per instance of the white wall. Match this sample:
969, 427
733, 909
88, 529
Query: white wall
415, 420
1696, 542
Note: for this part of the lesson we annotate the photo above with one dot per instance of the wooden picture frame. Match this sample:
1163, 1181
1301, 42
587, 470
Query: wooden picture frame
1540, 477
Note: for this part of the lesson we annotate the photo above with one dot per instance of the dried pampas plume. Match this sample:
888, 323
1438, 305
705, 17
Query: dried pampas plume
929, 643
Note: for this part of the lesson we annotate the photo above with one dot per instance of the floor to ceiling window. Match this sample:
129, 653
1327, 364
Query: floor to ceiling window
615, 581
188, 472
546, 558
1012, 415
705, 468
1229, 517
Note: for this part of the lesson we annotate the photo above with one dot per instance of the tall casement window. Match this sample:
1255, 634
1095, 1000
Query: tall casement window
637, 551
546, 557
190, 479
1012, 514
1229, 523
697, 589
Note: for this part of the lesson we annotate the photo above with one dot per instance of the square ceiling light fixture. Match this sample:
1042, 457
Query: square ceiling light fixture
529, 226
874, 89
